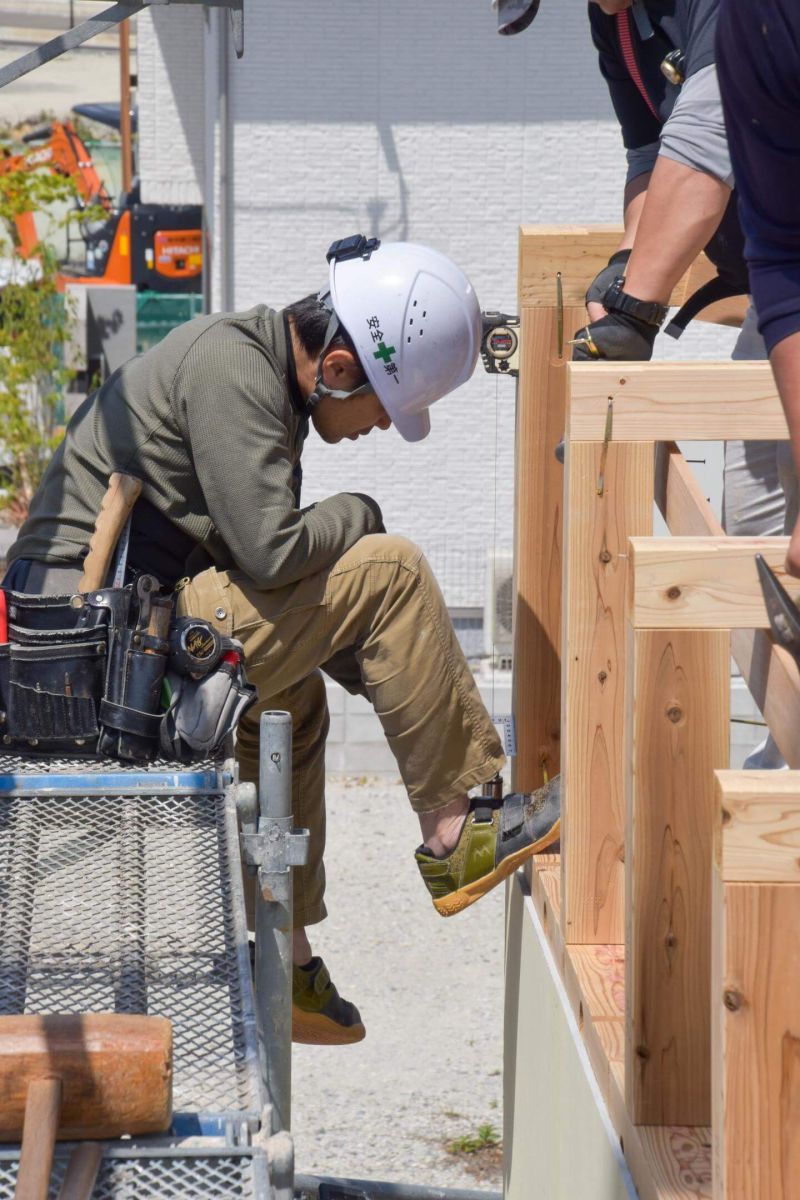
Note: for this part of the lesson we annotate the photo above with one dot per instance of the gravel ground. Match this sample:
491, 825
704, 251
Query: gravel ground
430, 993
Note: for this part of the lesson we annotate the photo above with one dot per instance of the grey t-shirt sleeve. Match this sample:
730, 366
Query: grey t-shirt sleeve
235, 415
695, 132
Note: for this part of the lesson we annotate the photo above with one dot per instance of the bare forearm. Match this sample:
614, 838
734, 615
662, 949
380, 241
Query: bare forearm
681, 210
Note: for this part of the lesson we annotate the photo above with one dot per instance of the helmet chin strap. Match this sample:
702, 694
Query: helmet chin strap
321, 389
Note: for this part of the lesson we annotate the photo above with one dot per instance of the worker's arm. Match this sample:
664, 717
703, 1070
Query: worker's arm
785, 360
685, 199
232, 405
759, 66
633, 203
640, 129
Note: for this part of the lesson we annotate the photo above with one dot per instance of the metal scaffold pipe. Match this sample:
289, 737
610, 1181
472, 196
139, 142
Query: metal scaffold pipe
274, 913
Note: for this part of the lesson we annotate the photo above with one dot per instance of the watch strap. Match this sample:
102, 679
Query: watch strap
618, 300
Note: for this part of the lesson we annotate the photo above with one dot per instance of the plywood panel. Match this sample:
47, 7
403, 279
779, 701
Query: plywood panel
679, 736
593, 698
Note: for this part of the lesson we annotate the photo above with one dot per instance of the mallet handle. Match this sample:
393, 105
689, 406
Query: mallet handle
122, 493
84, 1164
42, 1110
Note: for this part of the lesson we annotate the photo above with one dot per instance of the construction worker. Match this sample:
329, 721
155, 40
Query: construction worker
658, 60
213, 420
758, 50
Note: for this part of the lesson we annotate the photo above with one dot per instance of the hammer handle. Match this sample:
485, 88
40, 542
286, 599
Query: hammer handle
84, 1164
42, 1111
122, 493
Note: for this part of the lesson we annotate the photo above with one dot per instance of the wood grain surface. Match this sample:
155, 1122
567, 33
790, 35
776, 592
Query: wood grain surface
538, 546
115, 1070
757, 1047
671, 401
593, 694
678, 737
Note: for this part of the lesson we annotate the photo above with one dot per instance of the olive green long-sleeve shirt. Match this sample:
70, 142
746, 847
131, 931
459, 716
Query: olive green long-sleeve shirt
207, 420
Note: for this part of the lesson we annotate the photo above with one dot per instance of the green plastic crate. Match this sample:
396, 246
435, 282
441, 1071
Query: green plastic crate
158, 312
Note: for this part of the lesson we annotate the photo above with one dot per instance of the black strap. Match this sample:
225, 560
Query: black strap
129, 720
512, 817
716, 289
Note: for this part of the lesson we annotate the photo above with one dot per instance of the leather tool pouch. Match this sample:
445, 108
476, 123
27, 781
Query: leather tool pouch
52, 675
85, 675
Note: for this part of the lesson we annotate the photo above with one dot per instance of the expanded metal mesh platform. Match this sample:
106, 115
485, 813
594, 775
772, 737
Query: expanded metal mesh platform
120, 891
180, 1176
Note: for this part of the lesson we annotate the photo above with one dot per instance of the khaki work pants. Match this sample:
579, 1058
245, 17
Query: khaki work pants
376, 622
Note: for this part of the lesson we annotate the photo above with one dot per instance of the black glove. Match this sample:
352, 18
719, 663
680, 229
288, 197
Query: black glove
604, 279
615, 335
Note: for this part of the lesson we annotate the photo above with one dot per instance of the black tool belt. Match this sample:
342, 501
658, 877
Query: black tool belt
90, 674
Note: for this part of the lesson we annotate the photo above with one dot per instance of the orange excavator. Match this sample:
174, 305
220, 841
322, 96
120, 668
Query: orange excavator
157, 247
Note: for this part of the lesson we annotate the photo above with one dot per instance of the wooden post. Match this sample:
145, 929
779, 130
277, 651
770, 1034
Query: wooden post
593, 700
677, 736
756, 985
538, 544
571, 256
552, 262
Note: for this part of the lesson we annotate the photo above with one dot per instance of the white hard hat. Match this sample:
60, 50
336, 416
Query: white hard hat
414, 320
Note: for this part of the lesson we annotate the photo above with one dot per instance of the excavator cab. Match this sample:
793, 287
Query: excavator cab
155, 247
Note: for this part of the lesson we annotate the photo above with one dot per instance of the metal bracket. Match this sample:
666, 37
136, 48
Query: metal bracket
601, 479
274, 847
107, 19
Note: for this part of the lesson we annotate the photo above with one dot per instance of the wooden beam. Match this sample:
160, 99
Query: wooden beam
773, 677
756, 983
759, 834
769, 671
538, 548
702, 583
677, 735
657, 401
680, 499
578, 252
593, 680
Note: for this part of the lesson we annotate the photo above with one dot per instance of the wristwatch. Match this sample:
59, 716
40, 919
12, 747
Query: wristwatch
617, 299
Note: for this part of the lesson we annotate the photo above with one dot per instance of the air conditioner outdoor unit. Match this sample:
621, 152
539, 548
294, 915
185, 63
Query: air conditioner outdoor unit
498, 608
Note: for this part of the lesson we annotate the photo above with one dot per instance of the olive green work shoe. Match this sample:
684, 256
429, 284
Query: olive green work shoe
497, 837
320, 1017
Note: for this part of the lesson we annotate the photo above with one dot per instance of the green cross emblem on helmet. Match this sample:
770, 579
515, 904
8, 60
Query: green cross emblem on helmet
384, 352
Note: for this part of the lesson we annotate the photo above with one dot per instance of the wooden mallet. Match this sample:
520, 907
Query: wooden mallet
94, 1075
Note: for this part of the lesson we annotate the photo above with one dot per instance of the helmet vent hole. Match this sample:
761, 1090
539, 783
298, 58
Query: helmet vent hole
424, 313
414, 304
411, 320
408, 340
421, 332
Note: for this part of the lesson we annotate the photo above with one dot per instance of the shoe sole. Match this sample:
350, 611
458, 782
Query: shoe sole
448, 906
315, 1029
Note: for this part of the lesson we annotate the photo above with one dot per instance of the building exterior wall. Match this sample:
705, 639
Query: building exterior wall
411, 121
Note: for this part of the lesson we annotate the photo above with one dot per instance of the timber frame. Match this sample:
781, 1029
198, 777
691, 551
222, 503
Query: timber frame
676, 895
